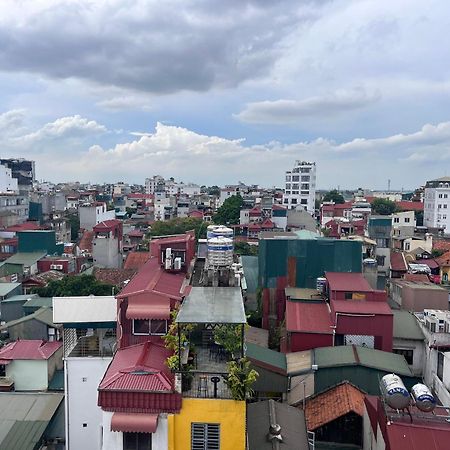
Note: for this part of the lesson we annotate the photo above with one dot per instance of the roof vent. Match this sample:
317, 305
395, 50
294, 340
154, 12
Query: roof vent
274, 433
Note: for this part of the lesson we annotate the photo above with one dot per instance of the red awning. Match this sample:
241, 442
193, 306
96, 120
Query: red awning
148, 306
134, 422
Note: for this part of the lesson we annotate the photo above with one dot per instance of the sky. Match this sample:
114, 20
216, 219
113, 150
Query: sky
216, 92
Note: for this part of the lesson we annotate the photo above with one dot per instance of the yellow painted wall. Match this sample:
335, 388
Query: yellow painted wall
229, 413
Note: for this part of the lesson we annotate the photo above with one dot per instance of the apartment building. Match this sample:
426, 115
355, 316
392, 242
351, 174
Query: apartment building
437, 204
300, 186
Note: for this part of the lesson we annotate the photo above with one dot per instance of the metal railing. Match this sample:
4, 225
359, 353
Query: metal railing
205, 385
89, 342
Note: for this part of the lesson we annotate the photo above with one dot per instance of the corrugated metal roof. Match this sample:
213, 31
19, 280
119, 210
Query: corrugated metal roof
38, 302
29, 349
405, 436
213, 305
361, 307
20, 298
308, 317
24, 418
269, 359
135, 260
334, 356
86, 309
347, 281
44, 315
250, 266
25, 259
406, 326
6, 288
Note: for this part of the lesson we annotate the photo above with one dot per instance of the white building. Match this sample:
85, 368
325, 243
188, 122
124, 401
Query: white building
8, 184
158, 184
89, 336
437, 204
93, 213
300, 188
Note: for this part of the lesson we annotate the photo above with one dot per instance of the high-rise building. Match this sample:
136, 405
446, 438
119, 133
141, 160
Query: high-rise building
300, 189
23, 170
437, 204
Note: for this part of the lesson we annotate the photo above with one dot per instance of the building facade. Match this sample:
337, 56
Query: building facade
300, 187
437, 204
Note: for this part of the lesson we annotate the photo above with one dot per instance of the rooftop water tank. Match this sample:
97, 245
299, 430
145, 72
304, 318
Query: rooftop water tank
423, 397
394, 392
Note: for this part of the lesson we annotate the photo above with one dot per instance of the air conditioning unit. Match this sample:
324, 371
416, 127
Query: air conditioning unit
177, 264
56, 266
168, 263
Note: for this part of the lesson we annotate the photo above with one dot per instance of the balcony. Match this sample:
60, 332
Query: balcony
89, 342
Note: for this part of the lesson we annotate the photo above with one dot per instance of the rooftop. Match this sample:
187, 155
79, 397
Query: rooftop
308, 317
347, 281
302, 293
269, 359
29, 349
361, 307
135, 260
213, 305
6, 288
25, 259
43, 315
333, 403
406, 326
90, 309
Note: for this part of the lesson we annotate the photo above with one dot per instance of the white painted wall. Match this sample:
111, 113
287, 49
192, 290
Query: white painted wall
28, 375
83, 375
113, 440
7, 182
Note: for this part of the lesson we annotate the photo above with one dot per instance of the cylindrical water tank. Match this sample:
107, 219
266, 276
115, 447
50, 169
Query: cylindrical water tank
423, 397
394, 391
220, 251
219, 231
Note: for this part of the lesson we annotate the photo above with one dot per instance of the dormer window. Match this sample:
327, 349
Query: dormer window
153, 327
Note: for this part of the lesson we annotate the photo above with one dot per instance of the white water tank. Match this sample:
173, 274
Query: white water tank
423, 397
394, 392
220, 251
219, 231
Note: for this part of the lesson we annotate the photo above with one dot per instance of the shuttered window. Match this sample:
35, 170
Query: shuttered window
205, 436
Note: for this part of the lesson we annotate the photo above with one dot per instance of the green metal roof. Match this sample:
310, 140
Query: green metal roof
213, 305
266, 356
306, 234
25, 259
406, 326
38, 302
346, 355
44, 315
6, 288
250, 266
24, 418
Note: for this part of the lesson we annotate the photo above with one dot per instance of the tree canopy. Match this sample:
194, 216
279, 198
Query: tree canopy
73, 286
334, 196
245, 249
179, 226
383, 206
229, 212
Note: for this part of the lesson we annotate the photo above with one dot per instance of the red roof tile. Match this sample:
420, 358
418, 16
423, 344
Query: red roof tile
336, 402
421, 277
135, 260
430, 262
347, 281
308, 317
86, 241
361, 307
444, 260
267, 224
29, 349
116, 277
441, 244
136, 233
409, 206
197, 214
107, 224
140, 196
26, 226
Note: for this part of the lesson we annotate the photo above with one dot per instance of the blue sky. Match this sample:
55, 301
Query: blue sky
215, 92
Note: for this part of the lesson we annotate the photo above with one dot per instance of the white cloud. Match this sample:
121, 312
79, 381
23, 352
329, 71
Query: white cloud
291, 111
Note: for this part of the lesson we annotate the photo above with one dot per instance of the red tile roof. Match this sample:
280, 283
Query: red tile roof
135, 233
254, 226
361, 307
86, 241
116, 277
135, 260
421, 277
29, 349
308, 317
430, 262
140, 196
197, 214
409, 206
398, 263
268, 224
444, 260
107, 224
26, 226
336, 402
347, 281
441, 244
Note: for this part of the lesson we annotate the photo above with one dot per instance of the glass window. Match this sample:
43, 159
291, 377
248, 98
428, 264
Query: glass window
408, 354
147, 326
158, 326
304, 201
294, 201
140, 326
406, 219
440, 365
295, 178
137, 441
205, 436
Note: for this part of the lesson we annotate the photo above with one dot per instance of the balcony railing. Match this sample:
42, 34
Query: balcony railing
89, 342
205, 385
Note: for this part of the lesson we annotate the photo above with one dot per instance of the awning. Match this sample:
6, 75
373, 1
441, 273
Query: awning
134, 422
4, 362
148, 306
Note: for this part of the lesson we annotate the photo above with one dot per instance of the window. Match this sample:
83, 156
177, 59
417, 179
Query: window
348, 295
149, 326
396, 219
305, 178
2, 370
304, 201
205, 436
137, 441
440, 195
408, 354
295, 178
380, 260
294, 201
406, 219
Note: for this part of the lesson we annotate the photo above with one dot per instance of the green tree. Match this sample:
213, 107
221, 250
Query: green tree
179, 226
76, 285
245, 249
334, 196
383, 206
213, 190
74, 221
228, 213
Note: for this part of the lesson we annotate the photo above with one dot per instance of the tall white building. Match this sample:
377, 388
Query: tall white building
8, 184
300, 189
437, 204
158, 184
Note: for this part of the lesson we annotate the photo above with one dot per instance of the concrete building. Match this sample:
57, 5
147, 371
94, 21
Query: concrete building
107, 244
7, 182
403, 224
93, 213
380, 230
300, 187
23, 170
89, 330
437, 204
